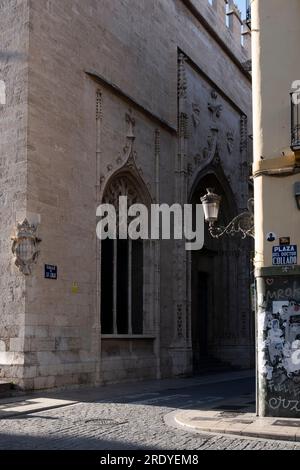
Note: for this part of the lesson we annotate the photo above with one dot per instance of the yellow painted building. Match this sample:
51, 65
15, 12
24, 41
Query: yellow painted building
275, 28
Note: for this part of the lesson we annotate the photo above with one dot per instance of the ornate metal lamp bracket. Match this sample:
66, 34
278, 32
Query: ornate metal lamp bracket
243, 225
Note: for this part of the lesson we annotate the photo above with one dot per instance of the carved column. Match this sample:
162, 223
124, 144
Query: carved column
156, 251
244, 163
181, 348
97, 320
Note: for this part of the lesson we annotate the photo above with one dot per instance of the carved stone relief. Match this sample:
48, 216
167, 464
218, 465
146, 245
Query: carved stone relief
208, 154
196, 114
244, 133
182, 80
209, 151
230, 141
179, 321
219, 141
98, 105
25, 247
126, 161
214, 107
120, 187
183, 125
131, 124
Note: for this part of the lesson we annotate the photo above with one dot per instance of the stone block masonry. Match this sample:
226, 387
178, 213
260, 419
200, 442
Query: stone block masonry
77, 73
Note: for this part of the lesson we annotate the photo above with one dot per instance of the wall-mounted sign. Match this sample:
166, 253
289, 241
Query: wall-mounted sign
271, 237
50, 271
284, 241
284, 255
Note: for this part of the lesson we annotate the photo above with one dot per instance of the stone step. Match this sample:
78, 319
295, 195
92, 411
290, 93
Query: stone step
5, 389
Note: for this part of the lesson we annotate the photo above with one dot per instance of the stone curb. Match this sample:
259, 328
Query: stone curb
243, 425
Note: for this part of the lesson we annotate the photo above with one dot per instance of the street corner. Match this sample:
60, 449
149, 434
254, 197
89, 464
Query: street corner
239, 424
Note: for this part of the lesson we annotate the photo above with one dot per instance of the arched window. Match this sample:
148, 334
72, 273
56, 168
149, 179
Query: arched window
122, 270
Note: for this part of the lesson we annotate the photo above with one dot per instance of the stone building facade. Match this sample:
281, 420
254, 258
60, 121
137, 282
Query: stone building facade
148, 98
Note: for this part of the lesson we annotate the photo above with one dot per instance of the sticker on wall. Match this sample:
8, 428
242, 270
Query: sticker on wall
278, 306
50, 271
75, 288
284, 241
284, 255
271, 237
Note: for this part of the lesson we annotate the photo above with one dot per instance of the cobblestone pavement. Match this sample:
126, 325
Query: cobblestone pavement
133, 421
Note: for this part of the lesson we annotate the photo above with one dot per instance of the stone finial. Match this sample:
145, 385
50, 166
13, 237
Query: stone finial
234, 19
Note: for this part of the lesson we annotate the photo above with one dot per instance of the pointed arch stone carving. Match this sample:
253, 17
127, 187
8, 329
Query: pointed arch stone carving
213, 163
126, 178
126, 181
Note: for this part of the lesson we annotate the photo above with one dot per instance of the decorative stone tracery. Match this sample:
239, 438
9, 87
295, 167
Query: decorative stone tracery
120, 186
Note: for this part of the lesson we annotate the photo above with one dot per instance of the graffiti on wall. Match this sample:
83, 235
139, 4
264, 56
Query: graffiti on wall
279, 346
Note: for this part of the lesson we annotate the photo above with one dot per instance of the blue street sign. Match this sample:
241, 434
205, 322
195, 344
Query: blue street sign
50, 271
284, 255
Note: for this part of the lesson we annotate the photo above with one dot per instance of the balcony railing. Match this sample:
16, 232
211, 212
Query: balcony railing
295, 121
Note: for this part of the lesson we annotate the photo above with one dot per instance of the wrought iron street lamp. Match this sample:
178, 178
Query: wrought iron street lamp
243, 224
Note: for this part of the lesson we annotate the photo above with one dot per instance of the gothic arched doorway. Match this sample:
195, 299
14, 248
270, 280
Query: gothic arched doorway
221, 313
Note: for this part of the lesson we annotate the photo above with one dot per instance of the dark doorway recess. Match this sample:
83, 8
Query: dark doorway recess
222, 320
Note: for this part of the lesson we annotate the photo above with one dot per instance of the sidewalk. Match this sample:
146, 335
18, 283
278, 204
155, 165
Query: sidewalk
238, 419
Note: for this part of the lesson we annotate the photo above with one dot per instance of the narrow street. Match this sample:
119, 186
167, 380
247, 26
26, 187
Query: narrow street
130, 417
